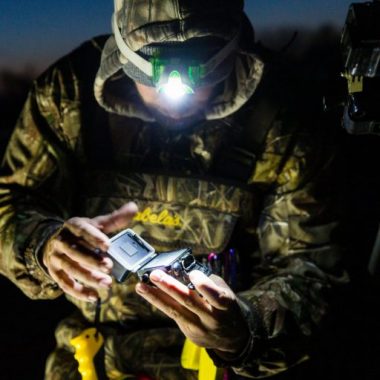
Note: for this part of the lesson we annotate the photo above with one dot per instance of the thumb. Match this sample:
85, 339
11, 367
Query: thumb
117, 220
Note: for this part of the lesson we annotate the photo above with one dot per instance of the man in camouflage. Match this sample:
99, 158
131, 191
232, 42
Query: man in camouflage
97, 149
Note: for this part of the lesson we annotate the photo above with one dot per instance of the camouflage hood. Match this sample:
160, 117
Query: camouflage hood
177, 21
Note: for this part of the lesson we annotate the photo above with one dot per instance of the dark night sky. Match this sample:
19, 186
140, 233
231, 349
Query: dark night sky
37, 32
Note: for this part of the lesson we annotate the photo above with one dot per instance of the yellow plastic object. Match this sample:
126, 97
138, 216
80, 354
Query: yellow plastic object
355, 83
196, 358
190, 356
207, 368
87, 345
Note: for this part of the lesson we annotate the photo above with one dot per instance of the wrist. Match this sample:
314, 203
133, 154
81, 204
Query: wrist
47, 287
41, 252
240, 347
238, 339
255, 342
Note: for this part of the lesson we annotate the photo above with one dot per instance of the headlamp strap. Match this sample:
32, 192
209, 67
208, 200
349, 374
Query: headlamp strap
147, 68
218, 58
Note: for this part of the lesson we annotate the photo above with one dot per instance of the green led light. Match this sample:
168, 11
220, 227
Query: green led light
158, 69
195, 73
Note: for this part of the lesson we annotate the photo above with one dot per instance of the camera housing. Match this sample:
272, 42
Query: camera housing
130, 253
361, 58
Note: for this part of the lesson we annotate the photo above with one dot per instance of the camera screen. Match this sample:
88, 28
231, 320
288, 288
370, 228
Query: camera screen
130, 250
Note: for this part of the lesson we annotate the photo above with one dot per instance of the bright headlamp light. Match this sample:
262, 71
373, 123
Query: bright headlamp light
174, 88
174, 77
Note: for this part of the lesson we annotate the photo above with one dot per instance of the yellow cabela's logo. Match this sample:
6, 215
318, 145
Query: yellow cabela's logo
164, 218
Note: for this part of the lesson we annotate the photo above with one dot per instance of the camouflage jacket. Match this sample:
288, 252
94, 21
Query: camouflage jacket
69, 157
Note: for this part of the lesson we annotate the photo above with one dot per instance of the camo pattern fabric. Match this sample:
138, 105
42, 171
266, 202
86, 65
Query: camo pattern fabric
171, 208
126, 355
68, 157
183, 20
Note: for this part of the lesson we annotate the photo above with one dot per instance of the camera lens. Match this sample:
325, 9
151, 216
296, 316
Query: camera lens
145, 278
177, 269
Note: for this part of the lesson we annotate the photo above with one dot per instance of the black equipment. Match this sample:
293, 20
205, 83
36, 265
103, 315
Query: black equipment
132, 254
361, 58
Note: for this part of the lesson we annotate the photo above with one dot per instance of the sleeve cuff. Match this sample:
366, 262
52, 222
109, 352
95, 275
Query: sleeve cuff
256, 343
33, 253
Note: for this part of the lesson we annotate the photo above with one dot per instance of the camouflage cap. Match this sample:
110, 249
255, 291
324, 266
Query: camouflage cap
144, 23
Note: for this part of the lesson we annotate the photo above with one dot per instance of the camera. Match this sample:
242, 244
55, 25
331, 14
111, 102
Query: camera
130, 253
361, 58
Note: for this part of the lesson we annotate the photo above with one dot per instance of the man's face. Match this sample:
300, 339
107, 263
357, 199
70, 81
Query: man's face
176, 114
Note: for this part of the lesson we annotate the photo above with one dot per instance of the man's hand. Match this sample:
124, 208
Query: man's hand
76, 259
209, 316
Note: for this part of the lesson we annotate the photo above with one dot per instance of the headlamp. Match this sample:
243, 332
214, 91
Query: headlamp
175, 77
174, 88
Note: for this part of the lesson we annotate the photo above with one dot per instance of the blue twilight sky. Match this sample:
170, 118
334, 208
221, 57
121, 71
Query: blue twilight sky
37, 32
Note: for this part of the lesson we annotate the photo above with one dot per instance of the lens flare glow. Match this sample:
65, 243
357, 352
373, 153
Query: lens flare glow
175, 89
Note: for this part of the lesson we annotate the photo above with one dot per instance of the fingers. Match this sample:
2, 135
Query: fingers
76, 280
75, 289
217, 293
83, 256
180, 293
73, 262
91, 278
74, 258
85, 229
213, 321
72, 287
93, 231
117, 220
165, 303
188, 322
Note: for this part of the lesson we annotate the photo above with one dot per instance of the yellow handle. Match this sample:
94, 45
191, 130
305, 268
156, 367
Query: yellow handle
355, 83
87, 345
196, 358
191, 354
